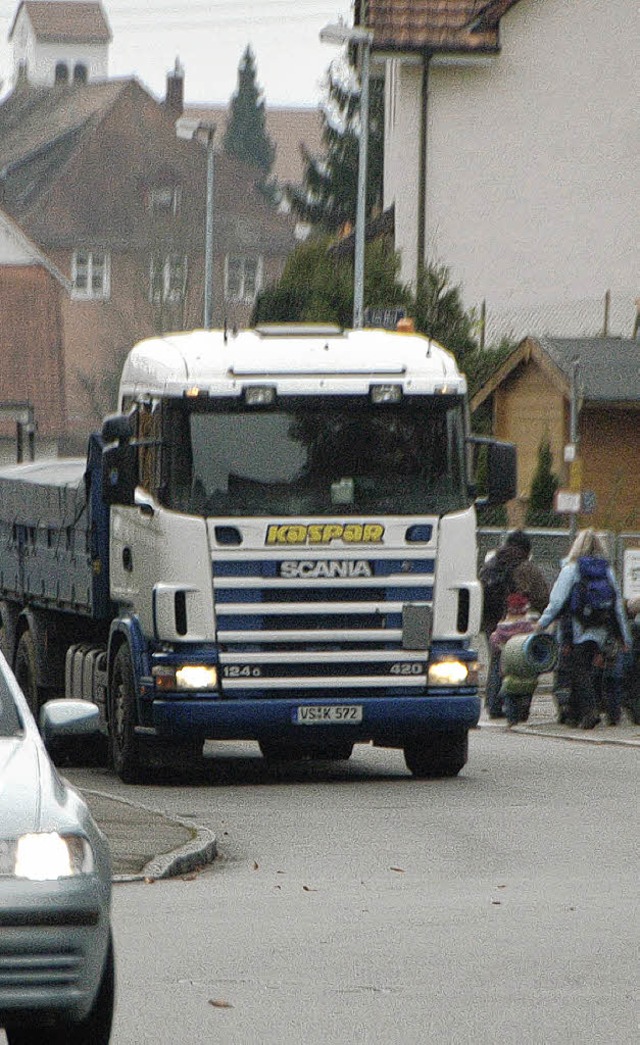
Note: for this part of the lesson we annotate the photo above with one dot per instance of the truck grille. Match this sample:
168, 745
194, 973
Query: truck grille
348, 628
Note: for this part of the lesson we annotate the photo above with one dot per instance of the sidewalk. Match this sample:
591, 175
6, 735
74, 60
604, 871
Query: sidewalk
542, 722
145, 844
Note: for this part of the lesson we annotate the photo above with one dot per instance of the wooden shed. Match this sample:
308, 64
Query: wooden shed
534, 394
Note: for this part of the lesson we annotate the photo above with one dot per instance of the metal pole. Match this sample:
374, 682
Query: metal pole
208, 243
573, 430
361, 215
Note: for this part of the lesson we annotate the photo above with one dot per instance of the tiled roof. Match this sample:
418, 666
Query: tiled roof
433, 25
289, 127
62, 149
66, 20
34, 118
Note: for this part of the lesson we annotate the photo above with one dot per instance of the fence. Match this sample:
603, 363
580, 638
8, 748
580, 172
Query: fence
548, 547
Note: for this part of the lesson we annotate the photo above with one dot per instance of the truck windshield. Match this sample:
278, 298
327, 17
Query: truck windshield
314, 456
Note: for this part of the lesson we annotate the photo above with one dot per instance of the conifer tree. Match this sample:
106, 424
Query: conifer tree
246, 136
543, 487
329, 192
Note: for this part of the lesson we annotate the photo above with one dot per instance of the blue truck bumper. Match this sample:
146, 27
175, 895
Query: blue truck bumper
387, 721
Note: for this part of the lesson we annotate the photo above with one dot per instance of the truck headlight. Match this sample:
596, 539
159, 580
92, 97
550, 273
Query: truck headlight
185, 677
452, 672
196, 676
46, 856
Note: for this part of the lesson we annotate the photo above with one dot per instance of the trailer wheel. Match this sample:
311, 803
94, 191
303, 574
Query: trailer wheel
437, 754
125, 753
26, 672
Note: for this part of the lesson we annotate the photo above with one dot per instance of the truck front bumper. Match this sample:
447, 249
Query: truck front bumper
387, 721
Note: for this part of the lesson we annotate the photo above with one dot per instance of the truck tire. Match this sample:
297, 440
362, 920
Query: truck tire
437, 754
26, 672
124, 744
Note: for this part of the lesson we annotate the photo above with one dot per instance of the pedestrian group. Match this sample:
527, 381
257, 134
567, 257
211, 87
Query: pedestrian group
597, 665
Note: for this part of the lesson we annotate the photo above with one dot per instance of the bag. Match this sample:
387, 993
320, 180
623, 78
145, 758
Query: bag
497, 582
593, 598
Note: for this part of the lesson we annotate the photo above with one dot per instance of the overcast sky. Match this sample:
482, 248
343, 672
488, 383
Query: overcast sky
209, 37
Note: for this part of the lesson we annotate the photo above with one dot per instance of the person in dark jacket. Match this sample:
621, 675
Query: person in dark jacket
509, 569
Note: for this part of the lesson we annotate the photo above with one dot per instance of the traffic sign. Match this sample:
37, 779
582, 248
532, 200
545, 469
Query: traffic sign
384, 318
567, 502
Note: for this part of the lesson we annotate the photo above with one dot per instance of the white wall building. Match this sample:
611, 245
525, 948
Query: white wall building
60, 41
532, 166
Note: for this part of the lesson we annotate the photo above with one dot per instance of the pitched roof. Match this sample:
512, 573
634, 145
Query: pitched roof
32, 117
433, 25
62, 149
607, 369
65, 20
290, 128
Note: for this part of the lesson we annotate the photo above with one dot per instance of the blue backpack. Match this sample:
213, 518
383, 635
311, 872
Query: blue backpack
593, 598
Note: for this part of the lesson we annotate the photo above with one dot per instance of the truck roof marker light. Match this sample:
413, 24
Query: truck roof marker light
259, 395
385, 393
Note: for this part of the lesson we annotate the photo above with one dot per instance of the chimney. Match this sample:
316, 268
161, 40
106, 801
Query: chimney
174, 100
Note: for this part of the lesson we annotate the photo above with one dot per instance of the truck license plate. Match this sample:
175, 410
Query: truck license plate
317, 714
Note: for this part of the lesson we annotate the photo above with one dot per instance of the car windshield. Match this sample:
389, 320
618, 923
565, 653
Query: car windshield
315, 456
10, 723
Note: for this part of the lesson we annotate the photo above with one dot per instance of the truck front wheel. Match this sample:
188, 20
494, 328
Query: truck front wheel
437, 754
27, 672
125, 753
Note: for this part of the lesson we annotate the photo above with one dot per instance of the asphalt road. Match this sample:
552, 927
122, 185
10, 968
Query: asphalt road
352, 904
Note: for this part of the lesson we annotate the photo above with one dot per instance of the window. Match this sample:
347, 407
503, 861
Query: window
242, 278
80, 73
62, 72
90, 274
164, 199
168, 279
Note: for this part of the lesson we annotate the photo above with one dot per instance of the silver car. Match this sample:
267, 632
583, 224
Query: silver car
56, 949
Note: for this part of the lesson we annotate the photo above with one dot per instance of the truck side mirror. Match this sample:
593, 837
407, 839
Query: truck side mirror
501, 473
119, 474
500, 480
117, 428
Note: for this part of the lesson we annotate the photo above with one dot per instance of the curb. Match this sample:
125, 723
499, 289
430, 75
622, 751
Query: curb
611, 741
200, 850
588, 737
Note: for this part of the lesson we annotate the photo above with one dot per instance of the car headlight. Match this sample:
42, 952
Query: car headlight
46, 856
186, 677
451, 673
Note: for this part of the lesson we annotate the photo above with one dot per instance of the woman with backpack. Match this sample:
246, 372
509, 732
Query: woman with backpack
586, 591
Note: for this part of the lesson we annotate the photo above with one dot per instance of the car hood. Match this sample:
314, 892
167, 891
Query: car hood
32, 795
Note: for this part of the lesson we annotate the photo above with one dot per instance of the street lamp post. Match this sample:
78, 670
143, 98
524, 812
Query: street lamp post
343, 34
208, 237
205, 133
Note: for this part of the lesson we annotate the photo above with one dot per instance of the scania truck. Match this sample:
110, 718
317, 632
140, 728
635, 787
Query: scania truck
273, 539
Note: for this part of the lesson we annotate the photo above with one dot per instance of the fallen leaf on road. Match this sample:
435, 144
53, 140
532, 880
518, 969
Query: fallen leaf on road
496, 903
149, 881
256, 865
217, 1003
308, 889
400, 870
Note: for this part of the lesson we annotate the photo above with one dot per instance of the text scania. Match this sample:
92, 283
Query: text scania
325, 533
330, 568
